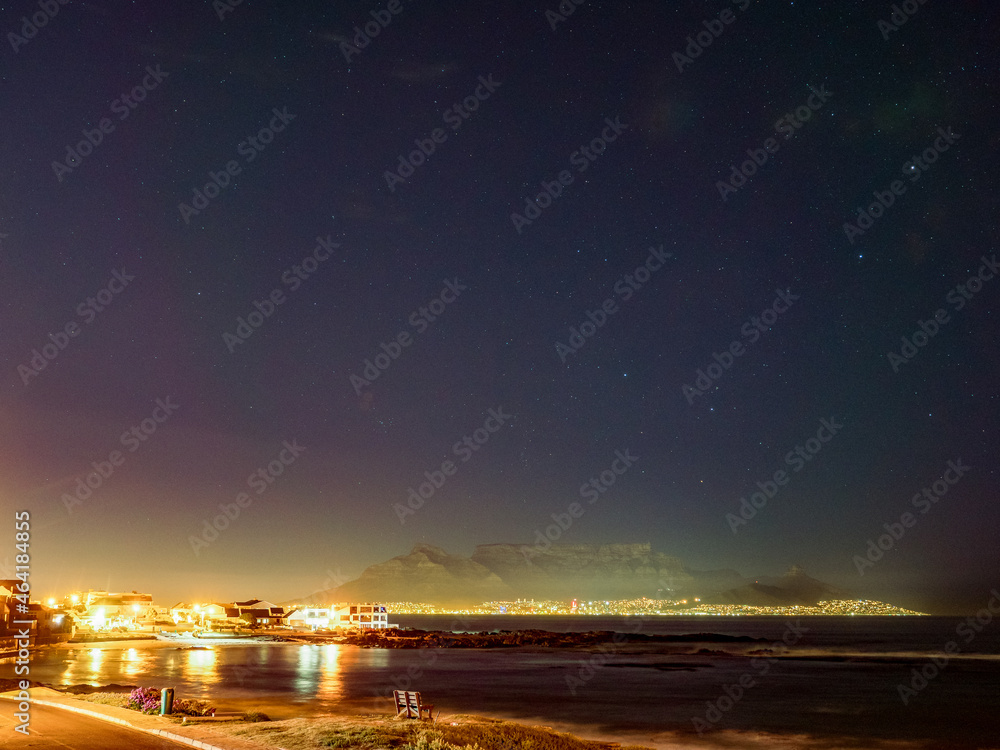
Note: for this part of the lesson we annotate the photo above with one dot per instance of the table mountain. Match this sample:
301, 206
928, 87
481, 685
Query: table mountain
502, 572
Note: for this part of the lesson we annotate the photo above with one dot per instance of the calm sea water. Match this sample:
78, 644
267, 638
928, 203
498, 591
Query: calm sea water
853, 633
838, 679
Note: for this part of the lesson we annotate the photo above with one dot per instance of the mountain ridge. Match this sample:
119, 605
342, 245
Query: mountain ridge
504, 572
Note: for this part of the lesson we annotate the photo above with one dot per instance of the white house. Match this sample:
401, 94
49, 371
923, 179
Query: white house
199, 615
367, 616
102, 610
310, 617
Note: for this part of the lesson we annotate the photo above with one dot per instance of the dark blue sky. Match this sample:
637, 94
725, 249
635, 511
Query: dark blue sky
625, 153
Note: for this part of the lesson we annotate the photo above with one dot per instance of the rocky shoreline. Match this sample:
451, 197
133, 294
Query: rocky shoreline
399, 638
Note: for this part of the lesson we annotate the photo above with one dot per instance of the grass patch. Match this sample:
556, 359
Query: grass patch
321, 733
106, 699
354, 737
380, 732
428, 741
495, 734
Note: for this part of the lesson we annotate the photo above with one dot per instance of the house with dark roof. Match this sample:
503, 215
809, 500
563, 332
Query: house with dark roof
9, 588
257, 613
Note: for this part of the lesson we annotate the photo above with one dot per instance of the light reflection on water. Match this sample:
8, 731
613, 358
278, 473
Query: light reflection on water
96, 657
321, 675
318, 672
131, 663
201, 667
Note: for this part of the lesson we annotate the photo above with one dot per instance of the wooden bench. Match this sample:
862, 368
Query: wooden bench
409, 702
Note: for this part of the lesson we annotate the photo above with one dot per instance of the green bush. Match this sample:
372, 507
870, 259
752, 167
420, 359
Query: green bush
192, 708
425, 741
361, 737
255, 716
509, 736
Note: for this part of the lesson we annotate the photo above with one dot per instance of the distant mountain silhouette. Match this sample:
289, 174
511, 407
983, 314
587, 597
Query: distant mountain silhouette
426, 574
795, 587
587, 571
562, 572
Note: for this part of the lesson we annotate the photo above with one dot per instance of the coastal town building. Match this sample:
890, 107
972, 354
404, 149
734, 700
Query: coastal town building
311, 618
104, 610
256, 613
208, 616
43, 624
8, 589
99, 611
366, 616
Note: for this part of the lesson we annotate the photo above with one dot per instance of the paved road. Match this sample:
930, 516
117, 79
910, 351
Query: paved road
56, 729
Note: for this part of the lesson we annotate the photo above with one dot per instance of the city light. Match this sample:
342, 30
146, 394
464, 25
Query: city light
650, 607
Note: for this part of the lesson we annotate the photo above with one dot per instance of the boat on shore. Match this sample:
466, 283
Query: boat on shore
189, 636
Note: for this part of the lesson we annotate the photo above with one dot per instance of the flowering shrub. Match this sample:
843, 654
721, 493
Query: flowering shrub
146, 700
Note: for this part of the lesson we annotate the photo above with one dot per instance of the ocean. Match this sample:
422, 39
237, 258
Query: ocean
866, 682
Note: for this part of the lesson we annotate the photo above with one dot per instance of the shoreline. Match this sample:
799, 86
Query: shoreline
281, 713
358, 724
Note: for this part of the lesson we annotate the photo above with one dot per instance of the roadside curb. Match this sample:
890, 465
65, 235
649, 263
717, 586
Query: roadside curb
164, 733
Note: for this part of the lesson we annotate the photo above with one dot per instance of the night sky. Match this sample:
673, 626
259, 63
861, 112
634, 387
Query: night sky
241, 169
